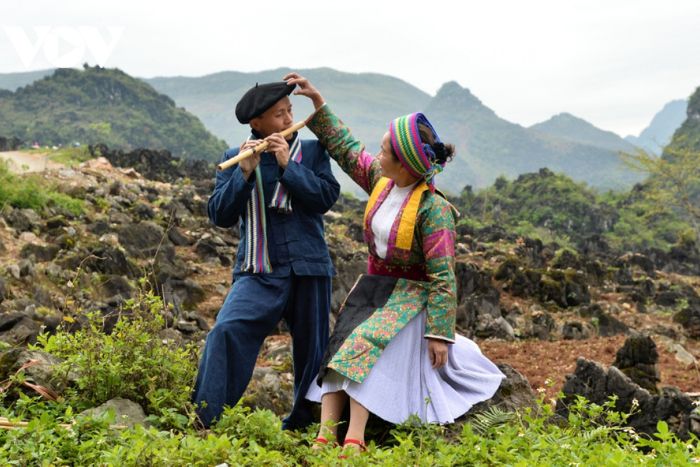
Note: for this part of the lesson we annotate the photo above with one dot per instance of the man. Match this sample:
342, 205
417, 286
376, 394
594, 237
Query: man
283, 269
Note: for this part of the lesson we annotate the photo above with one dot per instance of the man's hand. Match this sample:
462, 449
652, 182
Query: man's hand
280, 148
305, 89
437, 351
249, 164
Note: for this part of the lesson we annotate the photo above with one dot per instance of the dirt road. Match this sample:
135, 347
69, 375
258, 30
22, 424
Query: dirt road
22, 162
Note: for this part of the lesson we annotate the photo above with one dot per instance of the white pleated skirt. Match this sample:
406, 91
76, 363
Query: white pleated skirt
403, 382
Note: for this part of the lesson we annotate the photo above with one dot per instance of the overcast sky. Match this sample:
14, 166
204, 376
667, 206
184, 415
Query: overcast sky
614, 63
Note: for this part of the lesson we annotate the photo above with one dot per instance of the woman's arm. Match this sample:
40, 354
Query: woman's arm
437, 233
336, 137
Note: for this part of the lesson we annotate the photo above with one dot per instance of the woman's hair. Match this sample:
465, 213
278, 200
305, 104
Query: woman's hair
443, 152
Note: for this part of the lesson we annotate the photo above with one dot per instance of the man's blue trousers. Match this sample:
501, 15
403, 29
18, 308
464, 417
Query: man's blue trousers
252, 309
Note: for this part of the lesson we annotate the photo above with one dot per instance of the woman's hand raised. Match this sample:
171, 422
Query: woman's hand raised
305, 88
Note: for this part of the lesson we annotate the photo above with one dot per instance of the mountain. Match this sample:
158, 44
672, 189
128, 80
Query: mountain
366, 101
489, 146
577, 130
12, 81
106, 106
688, 135
659, 132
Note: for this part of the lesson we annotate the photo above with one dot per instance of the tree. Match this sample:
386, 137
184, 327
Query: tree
673, 181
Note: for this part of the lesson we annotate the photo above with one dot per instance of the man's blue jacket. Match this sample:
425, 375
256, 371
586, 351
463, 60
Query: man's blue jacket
295, 240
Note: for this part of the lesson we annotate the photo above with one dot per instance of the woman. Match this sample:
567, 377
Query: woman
394, 351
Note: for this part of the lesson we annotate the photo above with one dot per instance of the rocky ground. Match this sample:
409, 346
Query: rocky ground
532, 306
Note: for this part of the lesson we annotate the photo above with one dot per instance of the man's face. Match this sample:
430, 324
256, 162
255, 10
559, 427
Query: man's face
277, 118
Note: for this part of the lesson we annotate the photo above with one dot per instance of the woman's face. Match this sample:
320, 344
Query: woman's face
391, 167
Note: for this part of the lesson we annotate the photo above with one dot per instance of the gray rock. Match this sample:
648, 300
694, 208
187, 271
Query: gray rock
54, 271
115, 286
43, 372
514, 393
682, 355
26, 268
597, 384
3, 290
23, 219
18, 328
605, 324
543, 325
488, 326
42, 296
13, 270
104, 259
126, 412
178, 238
575, 330
119, 217
143, 211
187, 327
182, 293
270, 389
56, 222
142, 239
689, 318
637, 359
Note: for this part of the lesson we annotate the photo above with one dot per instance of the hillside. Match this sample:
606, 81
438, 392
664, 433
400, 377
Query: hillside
688, 135
660, 131
98, 105
577, 130
489, 146
108, 262
366, 101
12, 81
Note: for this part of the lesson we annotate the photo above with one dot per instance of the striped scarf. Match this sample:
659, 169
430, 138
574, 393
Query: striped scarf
257, 258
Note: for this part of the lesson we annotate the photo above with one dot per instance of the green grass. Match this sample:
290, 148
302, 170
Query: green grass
254, 437
70, 155
31, 191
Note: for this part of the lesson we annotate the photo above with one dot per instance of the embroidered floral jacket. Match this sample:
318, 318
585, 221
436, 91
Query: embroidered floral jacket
424, 251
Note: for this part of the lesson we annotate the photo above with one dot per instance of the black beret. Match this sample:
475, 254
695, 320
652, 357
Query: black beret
260, 98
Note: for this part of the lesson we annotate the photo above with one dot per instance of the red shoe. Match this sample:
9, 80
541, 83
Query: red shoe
320, 442
352, 441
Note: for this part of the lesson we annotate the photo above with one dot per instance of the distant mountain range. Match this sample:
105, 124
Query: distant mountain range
487, 145
577, 130
106, 106
660, 131
12, 81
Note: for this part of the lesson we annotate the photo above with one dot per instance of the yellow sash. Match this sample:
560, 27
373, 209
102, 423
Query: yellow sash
404, 236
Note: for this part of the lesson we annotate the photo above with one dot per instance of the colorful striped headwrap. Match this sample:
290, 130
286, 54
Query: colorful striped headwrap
416, 157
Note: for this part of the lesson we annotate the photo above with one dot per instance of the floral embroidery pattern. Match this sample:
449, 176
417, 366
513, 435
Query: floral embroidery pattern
432, 251
360, 351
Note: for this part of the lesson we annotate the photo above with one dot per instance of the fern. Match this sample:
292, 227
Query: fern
491, 418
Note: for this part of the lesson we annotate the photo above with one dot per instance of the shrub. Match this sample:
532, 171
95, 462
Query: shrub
132, 362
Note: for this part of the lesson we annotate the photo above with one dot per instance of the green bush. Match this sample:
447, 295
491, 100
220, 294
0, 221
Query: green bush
132, 362
591, 435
